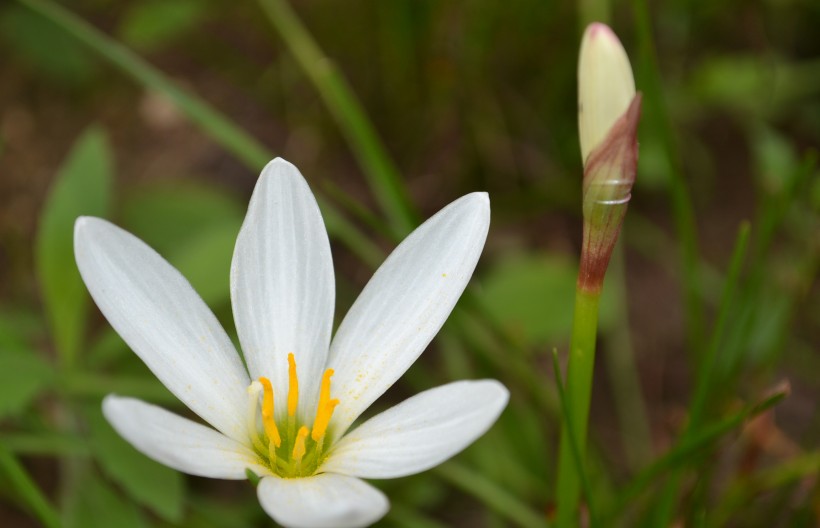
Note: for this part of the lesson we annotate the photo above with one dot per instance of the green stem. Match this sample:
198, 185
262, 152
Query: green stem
573, 439
579, 392
27, 489
383, 177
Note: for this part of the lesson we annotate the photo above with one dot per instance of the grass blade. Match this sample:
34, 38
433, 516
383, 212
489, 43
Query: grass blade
490, 494
221, 129
679, 455
382, 174
706, 371
28, 490
656, 114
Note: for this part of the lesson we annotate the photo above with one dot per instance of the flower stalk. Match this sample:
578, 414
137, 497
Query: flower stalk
608, 114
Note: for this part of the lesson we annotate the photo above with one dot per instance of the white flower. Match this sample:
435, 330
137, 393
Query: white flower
285, 421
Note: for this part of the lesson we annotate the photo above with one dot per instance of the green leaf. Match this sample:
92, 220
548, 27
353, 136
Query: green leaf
533, 295
165, 215
82, 187
93, 502
151, 25
157, 487
27, 489
194, 228
205, 261
23, 376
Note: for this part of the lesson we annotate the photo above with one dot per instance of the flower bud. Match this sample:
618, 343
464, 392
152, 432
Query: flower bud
608, 115
605, 85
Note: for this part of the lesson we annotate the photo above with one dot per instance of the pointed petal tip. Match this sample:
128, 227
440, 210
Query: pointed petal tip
83, 223
496, 386
478, 202
599, 29
281, 168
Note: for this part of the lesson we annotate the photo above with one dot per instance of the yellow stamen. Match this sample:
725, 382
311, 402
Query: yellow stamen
325, 408
267, 413
299, 444
322, 420
293, 386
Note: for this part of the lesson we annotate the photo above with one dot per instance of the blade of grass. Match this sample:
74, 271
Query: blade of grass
770, 219
34, 499
563, 398
623, 373
744, 490
408, 517
225, 132
649, 80
492, 495
382, 175
706, 373
679, 455
705, 379
218, 127
84, 384
45, 444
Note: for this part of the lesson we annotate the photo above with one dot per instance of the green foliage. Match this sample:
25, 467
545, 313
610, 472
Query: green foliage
194, 227
147, 482
82, 187
92, 501
459, 98
23, 376
530, 294
51, 52
151, 25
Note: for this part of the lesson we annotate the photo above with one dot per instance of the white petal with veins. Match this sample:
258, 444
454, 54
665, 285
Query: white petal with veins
178, 442
282, 285
157, 312
419, 433
405, 304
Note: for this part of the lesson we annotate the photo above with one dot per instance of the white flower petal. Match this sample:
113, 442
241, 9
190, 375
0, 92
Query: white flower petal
322, 501
421, 432
405, 304
178, 442
605, 85
282, 285
163, 320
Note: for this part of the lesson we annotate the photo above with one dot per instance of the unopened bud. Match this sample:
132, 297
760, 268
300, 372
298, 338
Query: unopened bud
608, 115
606, 86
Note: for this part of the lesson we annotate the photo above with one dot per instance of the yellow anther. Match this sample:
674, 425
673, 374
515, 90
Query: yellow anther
293, 386
267, 412
324, 410
323, 419
299, 444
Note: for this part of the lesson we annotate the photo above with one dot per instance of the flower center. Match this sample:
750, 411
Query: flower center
289, 448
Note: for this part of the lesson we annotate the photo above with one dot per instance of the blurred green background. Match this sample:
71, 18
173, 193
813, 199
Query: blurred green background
158, 114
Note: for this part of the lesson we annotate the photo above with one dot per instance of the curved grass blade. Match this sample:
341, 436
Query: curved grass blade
221, 129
